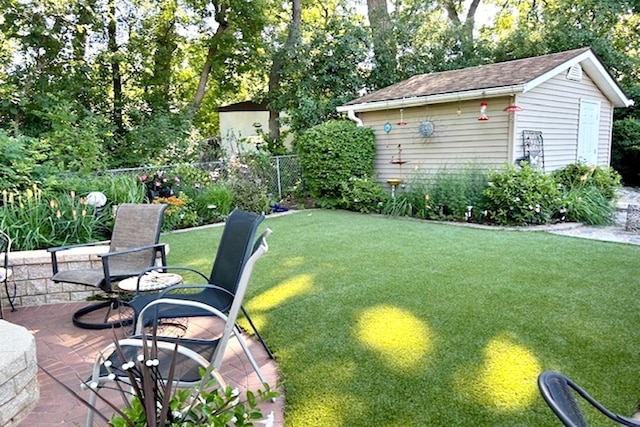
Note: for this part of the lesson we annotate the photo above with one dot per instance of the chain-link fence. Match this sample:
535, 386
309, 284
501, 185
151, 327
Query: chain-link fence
282, 175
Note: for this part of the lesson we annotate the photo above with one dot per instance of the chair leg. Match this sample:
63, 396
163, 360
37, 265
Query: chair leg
253, 362
255, 330
11, 300
77, 316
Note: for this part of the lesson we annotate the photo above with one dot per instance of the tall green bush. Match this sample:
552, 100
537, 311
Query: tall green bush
522, 196
577, 175
19, 157
330, 155
625, 156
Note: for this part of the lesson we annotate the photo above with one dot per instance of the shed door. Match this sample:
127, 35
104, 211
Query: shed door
588, 130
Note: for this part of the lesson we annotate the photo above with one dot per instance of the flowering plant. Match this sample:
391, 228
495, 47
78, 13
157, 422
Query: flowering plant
159, 180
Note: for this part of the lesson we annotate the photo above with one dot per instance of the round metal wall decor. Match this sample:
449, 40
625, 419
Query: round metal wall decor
426, 128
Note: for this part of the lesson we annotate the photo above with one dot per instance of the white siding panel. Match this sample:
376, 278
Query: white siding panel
553, 108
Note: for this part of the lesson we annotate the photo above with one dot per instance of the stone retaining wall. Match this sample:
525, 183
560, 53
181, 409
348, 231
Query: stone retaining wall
19, 388
32, 275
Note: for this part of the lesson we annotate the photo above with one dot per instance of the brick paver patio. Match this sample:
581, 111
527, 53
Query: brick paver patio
68, 352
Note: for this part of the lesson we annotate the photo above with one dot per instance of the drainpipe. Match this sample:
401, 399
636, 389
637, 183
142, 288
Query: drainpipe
352, 116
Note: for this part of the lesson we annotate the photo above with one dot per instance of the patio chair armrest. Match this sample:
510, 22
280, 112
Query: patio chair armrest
54, 251
168, 300
167, 292
105, 258
156, 246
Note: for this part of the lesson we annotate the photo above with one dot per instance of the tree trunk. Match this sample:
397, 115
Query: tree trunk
165, 39
277, 64
223, 25
116, 76
384, 43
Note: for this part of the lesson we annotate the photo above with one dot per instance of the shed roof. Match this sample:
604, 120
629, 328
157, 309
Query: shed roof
244, 106
499, 79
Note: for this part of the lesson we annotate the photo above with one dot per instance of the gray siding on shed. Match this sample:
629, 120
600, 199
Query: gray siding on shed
458, 141
554, 109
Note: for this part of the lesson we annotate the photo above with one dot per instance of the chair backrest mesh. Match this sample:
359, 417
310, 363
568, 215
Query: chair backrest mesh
560, 394
136, 225
235, 248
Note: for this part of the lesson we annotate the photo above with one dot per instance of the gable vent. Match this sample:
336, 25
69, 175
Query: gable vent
575, 73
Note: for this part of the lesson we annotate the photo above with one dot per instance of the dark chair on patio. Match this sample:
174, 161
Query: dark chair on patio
133, 248
179, 361
235, 248
560, 394
5, 271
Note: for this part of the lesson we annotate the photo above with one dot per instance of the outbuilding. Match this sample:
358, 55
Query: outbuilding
551, 110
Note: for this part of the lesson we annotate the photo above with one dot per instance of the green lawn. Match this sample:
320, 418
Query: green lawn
392, 322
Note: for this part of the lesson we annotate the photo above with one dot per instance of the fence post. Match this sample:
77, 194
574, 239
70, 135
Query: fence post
279, 181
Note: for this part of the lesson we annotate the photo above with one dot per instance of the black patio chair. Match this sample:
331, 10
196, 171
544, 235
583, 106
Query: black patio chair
6, 272
181, 361
235, 248
560, 394
133, 248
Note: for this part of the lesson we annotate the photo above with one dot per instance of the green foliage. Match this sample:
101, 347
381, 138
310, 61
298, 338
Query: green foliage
363, 195
451, 193
577, 175
626, 149
445, 196
400, 205
35, 222
586, 204
330, 45
521, 196
180, 212
247, 183
75, 138
332, 153
19, 157
213, 202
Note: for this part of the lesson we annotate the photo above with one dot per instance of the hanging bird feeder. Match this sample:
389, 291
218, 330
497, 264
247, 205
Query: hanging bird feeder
483, 111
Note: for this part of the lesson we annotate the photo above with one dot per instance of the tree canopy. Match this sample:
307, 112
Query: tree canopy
106, 83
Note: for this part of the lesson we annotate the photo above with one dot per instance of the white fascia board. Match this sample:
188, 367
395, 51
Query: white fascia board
419, 101
596, 71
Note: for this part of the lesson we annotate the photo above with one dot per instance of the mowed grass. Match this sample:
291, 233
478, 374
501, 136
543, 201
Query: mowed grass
393, 322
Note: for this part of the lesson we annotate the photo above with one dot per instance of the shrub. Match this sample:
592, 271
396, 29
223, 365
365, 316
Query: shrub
363, 195
247, 186
18, 160
605, 179
588, 205
450, 193
213, 203
179, 213
625, 155
332, 153
521, 196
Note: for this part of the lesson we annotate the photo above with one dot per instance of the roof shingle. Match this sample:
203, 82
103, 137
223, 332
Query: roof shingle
502, 74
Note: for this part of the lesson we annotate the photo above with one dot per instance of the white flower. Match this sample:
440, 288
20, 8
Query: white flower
517, 199
140, 357
269, 421
111, 377
108, 364
235, 392
93, 385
